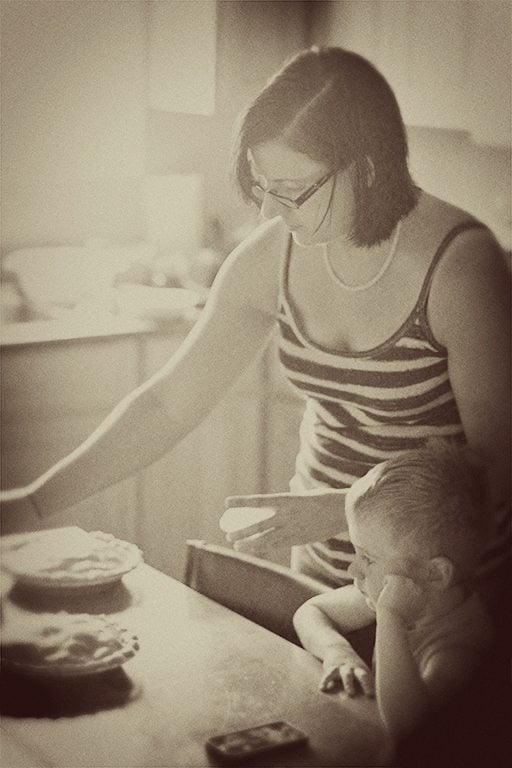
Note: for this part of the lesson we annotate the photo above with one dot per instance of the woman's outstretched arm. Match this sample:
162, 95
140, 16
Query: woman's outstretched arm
234, 326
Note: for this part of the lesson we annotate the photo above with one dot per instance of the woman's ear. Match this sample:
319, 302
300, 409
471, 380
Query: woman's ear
440, 572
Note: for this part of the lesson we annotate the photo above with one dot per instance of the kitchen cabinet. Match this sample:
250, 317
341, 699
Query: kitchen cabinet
489, 74
448, 62
182, 56
53, 396
183, 493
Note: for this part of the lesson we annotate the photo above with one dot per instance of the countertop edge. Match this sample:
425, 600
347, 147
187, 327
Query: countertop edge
57, 331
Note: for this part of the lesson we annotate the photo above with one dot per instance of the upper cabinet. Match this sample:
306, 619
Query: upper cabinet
449, 62
489, 71
182, 56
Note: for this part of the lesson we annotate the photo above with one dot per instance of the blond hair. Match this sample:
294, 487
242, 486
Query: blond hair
434, 498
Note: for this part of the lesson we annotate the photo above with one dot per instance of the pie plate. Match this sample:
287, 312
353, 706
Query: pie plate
65, 645
68, 559
64, 670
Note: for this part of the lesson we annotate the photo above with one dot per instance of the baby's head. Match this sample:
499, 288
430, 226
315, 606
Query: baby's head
421, 514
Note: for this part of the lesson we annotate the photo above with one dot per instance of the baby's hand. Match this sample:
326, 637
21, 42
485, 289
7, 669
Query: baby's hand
346, 670
402, 597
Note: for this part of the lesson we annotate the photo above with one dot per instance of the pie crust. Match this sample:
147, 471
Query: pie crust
64, 644
68, 557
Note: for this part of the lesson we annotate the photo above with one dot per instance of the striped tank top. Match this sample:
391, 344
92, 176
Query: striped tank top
363, 408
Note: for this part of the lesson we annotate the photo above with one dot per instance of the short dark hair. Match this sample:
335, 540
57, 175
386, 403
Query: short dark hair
335, 107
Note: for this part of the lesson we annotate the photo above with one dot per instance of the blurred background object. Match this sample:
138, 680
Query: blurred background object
126, 140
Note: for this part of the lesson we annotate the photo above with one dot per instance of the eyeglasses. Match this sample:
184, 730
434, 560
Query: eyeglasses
259, 193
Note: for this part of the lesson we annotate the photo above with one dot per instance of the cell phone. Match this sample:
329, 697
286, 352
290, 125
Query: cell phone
258, 740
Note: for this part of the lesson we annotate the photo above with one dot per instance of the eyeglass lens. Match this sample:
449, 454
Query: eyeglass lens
259, 193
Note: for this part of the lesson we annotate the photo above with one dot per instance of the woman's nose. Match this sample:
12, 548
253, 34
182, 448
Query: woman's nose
270, 207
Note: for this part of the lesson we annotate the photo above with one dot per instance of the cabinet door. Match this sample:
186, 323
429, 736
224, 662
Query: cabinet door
423, 55
182, 56
418, 47
489, 73
448, 61
53, 396
182, 495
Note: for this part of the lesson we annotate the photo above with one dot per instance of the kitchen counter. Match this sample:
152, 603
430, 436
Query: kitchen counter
73, 327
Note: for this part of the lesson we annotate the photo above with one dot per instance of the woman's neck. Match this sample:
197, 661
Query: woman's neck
345, 248
357, 268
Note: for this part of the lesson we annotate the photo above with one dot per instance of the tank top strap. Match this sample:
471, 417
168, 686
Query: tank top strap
421, 305
419, 313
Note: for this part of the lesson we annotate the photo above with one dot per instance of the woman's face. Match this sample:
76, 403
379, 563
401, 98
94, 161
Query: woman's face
326, 215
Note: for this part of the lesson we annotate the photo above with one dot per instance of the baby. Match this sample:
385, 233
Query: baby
418, 523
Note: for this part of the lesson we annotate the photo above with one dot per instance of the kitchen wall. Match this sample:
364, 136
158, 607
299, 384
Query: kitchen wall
473, 176
78, 136
73, 121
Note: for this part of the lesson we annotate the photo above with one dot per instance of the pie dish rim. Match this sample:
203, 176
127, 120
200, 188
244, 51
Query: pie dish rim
116, 658
67, 670
77, 582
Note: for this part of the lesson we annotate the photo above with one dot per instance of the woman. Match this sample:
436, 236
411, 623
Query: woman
391, 305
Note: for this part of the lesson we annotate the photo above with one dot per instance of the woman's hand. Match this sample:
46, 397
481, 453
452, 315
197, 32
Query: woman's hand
261, 523
344, 669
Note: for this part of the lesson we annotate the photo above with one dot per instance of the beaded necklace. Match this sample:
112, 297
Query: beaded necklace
376, 278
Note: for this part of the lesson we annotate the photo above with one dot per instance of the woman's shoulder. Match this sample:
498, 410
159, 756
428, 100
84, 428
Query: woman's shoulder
436, 218
250, 274
470, 273
450, 235
463, 241
267, 239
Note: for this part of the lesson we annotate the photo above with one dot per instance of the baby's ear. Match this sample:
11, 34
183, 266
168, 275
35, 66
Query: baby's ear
440, 572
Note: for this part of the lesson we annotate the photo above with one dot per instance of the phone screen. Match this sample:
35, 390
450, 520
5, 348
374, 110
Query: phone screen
256, 740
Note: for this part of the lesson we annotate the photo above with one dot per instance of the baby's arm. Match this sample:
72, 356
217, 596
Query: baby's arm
404, 696
320, 624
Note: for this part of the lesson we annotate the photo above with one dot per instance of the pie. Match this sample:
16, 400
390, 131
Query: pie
67, 644
68, 557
